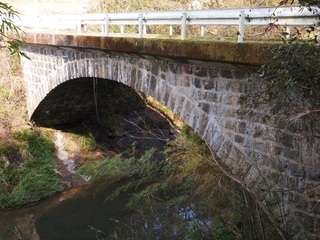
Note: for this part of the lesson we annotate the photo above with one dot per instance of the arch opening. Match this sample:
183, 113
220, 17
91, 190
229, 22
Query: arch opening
82, 99
111, 112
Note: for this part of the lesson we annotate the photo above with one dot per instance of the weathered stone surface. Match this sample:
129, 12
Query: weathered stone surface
65, 84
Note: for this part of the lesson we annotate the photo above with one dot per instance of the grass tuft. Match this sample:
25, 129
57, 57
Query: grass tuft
33, 179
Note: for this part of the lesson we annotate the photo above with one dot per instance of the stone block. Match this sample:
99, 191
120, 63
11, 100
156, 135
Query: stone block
212, 97
230, 124
226, 73
172, 79
197, 82
225, 150
209, 84
186, 69
241, 127
239, 139
184, 81
239, 74
175, 69
204, 107
200, 71
213, 73
178, 104
171, 101
203, 121
155, 68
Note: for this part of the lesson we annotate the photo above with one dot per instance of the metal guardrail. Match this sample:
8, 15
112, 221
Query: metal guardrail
284, 16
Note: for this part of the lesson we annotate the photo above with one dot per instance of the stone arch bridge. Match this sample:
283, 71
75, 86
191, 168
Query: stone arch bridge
199, 81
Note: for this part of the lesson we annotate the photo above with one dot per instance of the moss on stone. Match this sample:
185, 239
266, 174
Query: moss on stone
204, 50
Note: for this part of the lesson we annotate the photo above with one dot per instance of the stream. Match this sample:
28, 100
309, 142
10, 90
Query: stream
73, 214
76, 213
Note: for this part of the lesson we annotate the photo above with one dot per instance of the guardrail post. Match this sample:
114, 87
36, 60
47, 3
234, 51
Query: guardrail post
38, 25
57, 26
184, 26
241, 27
106, 25
140, 25
171, 30
79, 26
121, 29
288, 30
202, 30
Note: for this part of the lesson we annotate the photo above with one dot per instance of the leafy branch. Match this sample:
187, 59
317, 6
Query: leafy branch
290, 85
306, 3
9, 32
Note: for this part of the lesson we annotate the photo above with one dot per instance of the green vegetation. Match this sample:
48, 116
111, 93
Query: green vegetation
87, 143
182, 197
28, 169
290, 83
4, 93
293, 79
163, 110
12, 42
27, 157
307, 3
83, 140
110, 121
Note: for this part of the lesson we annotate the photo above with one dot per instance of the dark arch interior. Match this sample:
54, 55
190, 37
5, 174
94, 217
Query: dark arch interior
112, 113
82, 99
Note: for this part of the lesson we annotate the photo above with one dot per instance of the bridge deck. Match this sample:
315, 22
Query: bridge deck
201, 51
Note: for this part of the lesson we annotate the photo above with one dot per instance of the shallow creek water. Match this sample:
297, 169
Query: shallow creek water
72, 214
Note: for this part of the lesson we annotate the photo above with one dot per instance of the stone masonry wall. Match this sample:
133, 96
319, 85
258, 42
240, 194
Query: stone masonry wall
276, 163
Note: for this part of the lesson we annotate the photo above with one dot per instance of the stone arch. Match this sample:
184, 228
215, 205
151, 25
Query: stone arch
82, 99
205, 96
185, 89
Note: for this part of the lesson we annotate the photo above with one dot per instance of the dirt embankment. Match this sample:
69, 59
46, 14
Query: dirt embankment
13, 115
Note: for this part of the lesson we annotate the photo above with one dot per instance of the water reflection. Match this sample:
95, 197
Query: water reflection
20, 223
81, 218
82, 215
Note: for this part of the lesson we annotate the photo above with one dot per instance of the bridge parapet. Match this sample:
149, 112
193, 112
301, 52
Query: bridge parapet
202, 86
248, 56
